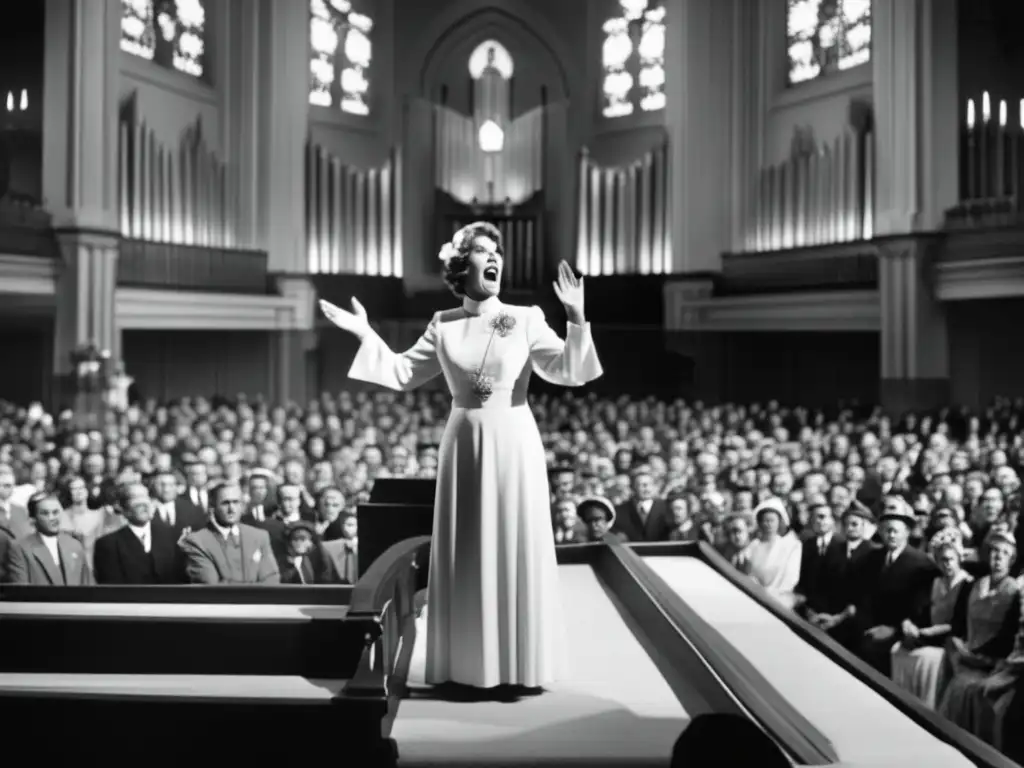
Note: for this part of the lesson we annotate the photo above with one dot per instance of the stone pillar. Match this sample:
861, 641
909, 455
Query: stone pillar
698, 59
293, 349
81, 82
80, 98
914, 47
913, 340
284, 125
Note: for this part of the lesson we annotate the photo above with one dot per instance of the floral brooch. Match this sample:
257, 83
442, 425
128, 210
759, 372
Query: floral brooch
502, 324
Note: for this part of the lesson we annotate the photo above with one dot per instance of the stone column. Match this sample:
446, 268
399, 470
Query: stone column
284, 126
698, 60
914, 58
913, 341
80, 98
293, 349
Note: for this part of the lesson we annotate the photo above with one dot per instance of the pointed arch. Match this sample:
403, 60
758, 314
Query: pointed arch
501, 19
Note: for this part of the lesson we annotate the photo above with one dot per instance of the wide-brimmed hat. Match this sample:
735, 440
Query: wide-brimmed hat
597, 502
776, 505
861, 510
896, 508
1001, 536
299, 525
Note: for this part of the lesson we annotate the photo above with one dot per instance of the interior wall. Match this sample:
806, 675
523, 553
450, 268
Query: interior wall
171, 364
811, 369
26, 349
984, 343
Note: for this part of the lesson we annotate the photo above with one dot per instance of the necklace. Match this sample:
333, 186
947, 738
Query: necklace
483, 385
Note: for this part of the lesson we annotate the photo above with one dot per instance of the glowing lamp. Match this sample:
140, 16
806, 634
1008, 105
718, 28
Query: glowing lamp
492, 138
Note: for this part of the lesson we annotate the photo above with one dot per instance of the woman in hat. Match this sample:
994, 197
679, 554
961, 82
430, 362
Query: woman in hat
598, 514
984, 628
917, 659
493, 553
775, 556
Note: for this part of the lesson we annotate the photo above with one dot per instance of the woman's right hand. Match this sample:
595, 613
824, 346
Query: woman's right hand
355, 322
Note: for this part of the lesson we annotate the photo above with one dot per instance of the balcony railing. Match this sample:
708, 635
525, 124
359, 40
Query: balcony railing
144, 264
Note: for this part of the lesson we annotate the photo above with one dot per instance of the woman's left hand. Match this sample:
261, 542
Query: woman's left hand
569, 290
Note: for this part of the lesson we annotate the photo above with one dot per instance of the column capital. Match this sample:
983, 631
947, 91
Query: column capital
917, 245
97, 238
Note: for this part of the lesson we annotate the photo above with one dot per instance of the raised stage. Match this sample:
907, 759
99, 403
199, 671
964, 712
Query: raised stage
658, 634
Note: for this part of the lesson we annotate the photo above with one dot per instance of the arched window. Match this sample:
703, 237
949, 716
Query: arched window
827, 36
633, 59
340, 54
171, 33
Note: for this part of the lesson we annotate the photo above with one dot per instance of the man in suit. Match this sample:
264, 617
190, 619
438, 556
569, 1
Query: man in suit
13, 517
820, 549
260, 508
897, 583
48, 556
227, 551
173, 511
841, 576
644, 518
294, 473
143, 552
7, 538
344, 552
194, 501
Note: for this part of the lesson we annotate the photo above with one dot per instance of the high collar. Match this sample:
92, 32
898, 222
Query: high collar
473, 307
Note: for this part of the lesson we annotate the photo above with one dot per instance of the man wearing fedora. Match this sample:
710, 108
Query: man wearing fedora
897, 581
837, 584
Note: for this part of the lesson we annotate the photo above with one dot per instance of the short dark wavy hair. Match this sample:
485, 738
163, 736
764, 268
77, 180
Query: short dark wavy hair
36, 500
456, 268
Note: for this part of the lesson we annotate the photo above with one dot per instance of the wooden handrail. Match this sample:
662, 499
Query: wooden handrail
973, 748
383, 607
765, 704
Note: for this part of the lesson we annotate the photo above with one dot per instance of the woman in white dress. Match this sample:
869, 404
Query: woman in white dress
917, 659
775, 555
493, 608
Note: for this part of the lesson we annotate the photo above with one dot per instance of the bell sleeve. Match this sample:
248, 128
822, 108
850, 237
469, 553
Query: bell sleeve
376, 363
569, 363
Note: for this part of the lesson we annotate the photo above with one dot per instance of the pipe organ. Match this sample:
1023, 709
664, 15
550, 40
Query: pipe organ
623, 216
172, 194
352, 216
817, 197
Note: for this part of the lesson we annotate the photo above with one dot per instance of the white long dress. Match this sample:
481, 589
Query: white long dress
493, 609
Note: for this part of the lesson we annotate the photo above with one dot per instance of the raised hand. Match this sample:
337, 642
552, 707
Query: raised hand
355, 322
569, 290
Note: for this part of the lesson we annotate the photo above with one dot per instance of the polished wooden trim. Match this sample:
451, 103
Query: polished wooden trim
762, 702
189, 594
974, 749
177, 612
373, 590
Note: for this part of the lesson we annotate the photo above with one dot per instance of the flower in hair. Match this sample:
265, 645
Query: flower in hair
502, 324
448, 251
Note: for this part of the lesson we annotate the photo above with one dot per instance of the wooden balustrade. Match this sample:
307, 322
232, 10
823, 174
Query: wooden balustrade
143, 264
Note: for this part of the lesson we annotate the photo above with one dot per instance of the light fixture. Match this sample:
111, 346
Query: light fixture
24, 99
492, 138
10, 101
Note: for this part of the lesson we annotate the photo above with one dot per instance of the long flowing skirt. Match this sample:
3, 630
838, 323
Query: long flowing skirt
963, 701
917, 671
493, 615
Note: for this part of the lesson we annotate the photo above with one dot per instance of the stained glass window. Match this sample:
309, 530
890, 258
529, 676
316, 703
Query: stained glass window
827, 36
633, 59
340, 55
171, 33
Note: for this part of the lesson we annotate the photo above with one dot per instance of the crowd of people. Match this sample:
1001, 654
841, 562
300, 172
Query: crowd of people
897, 538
